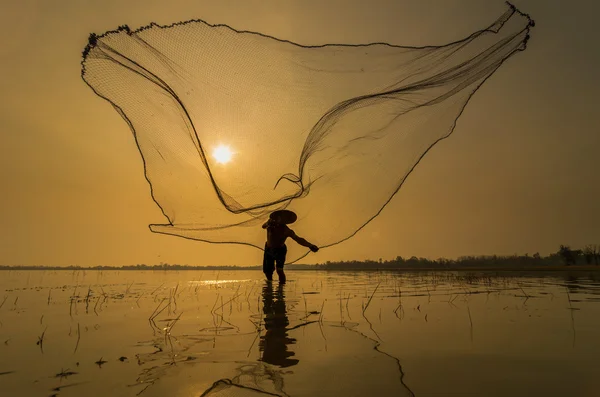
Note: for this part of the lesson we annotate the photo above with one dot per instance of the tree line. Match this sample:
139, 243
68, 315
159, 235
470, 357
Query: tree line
588, 255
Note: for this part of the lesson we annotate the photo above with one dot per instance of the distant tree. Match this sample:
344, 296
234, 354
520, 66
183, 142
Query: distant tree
567, 254
591, 253
588, 254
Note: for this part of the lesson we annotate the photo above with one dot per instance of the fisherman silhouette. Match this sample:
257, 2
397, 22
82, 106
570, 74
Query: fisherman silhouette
275, 248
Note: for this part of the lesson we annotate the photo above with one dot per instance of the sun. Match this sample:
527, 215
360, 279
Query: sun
222, 154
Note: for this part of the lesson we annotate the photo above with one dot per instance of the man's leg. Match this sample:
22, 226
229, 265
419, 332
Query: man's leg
268, 264
280, 262
281, 274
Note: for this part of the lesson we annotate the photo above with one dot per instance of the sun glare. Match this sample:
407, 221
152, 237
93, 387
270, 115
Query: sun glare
222, 154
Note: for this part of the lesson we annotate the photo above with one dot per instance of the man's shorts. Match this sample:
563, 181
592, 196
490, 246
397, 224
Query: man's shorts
272, 257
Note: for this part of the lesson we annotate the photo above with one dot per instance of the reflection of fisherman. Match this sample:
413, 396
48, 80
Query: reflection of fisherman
274, 344
275, 248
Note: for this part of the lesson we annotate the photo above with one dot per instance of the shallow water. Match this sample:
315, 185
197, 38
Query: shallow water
193, 333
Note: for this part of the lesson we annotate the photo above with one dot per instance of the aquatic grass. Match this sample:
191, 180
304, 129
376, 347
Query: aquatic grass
100, 362
78, 338
40, 341
369, 301
3, 301
341, 310
470, 322
128, 288
399, 307
87, 299
321, 313
63, 374
348, 310
157, 288
96, 306
155, 313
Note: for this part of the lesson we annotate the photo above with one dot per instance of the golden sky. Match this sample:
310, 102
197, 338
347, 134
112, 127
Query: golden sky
518, 175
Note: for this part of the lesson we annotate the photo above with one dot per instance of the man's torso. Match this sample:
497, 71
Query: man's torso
276, 235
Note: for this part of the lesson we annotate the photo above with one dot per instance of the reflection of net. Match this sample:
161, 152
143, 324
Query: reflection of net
254, 379
330, 131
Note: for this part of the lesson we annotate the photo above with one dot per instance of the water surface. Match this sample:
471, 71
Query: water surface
193, 333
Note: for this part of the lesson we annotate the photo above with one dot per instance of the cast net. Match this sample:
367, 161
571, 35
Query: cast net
234, 125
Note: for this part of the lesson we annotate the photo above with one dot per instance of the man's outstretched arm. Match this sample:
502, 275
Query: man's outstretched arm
303, 242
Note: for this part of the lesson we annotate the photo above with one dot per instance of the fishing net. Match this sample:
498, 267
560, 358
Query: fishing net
234, 125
